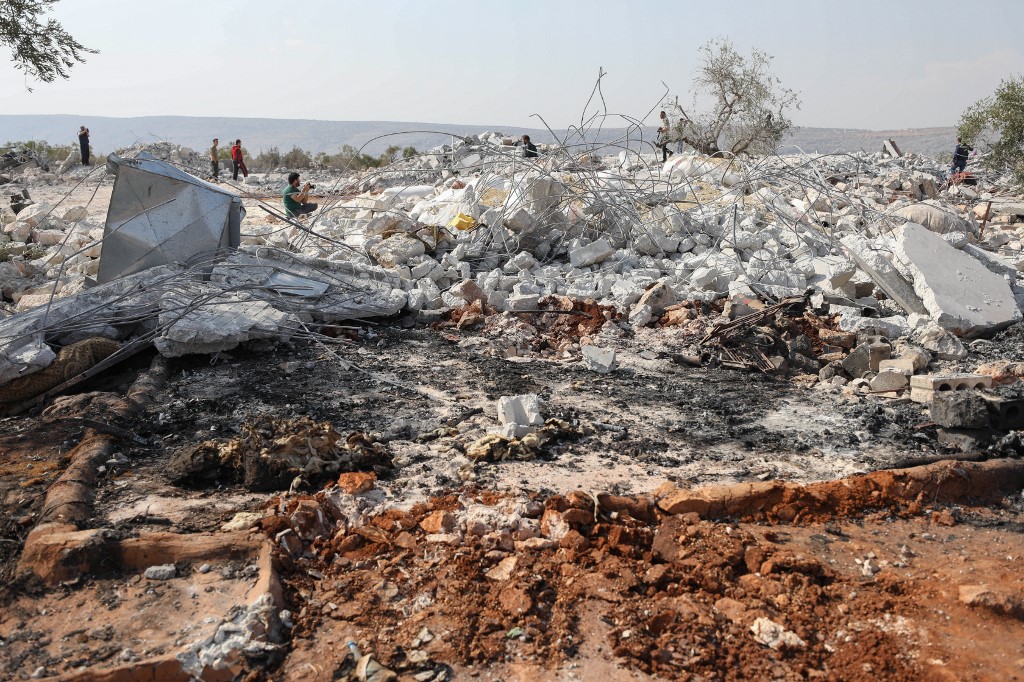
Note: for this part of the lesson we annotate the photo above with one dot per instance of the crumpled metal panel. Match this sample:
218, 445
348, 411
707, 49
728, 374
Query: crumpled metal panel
159, 214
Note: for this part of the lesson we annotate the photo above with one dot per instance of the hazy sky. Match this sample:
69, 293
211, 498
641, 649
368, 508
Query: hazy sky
874, 64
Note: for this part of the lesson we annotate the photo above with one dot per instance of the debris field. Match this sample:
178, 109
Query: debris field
481, 416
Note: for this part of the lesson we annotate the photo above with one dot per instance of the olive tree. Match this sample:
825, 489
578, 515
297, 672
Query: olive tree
40, 47
739, 106
995, 125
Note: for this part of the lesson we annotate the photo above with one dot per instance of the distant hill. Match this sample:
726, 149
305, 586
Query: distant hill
108, 133
926, 141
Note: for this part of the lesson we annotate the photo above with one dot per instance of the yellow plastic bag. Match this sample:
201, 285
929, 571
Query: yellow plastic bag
462, 222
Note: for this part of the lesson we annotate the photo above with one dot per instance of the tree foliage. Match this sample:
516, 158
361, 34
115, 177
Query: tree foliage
40, 47
995, 125
748, 113
348, 158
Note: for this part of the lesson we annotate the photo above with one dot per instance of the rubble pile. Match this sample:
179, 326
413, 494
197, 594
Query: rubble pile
494, 333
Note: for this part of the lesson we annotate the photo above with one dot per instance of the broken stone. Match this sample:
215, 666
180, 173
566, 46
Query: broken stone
773, 635
961, 294
858, 363
591, 253
438, 522
934, 218
600, 360
520, 414
937, 340
959, 410
887, 381
162, 572
882, 272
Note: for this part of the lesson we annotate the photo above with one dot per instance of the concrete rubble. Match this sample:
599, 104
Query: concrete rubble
638, 239
365, 408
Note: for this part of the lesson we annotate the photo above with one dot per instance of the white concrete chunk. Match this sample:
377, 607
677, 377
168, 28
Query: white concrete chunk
961, 293
592, 253
597, 359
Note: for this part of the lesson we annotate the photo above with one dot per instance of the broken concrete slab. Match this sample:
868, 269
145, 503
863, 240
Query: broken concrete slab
597, 359
221, 323
883, 274
961, 294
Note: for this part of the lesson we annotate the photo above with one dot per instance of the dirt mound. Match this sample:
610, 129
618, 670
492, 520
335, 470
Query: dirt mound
676, 597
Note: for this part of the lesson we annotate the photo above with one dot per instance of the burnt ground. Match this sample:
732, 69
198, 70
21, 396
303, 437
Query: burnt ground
426, 396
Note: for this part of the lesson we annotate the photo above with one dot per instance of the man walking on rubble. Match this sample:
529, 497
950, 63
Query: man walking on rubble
237, 162
214, 161
664, 134
960, 155
296, 201
83, 143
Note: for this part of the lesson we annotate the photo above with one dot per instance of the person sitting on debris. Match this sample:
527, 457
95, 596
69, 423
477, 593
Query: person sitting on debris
214, 161
237, 162
83, 142
960, 155
296, 201
529, 148
664, 135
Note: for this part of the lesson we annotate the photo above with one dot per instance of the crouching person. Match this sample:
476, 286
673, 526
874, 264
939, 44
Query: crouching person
296, 201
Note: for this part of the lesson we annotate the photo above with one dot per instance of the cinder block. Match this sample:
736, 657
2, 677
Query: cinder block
924, 386
878, 351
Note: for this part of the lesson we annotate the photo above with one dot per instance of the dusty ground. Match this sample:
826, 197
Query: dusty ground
870, 595
613, 601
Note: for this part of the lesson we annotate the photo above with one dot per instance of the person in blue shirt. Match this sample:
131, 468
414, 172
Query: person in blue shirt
960, 155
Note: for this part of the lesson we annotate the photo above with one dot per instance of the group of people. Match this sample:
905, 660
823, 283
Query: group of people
237, 161
296, 200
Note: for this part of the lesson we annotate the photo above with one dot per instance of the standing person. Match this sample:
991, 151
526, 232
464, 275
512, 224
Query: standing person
83, 142
296, 201
237, 162
960, 155
664, 133
214, 161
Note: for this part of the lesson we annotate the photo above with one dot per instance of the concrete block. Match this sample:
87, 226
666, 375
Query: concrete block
877, 352
522, 302
597, 359
902, 365
959, 410
590, 254
933, 218
521, 262
923, 387
396, 250
962, 295
521, 412
468, 291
